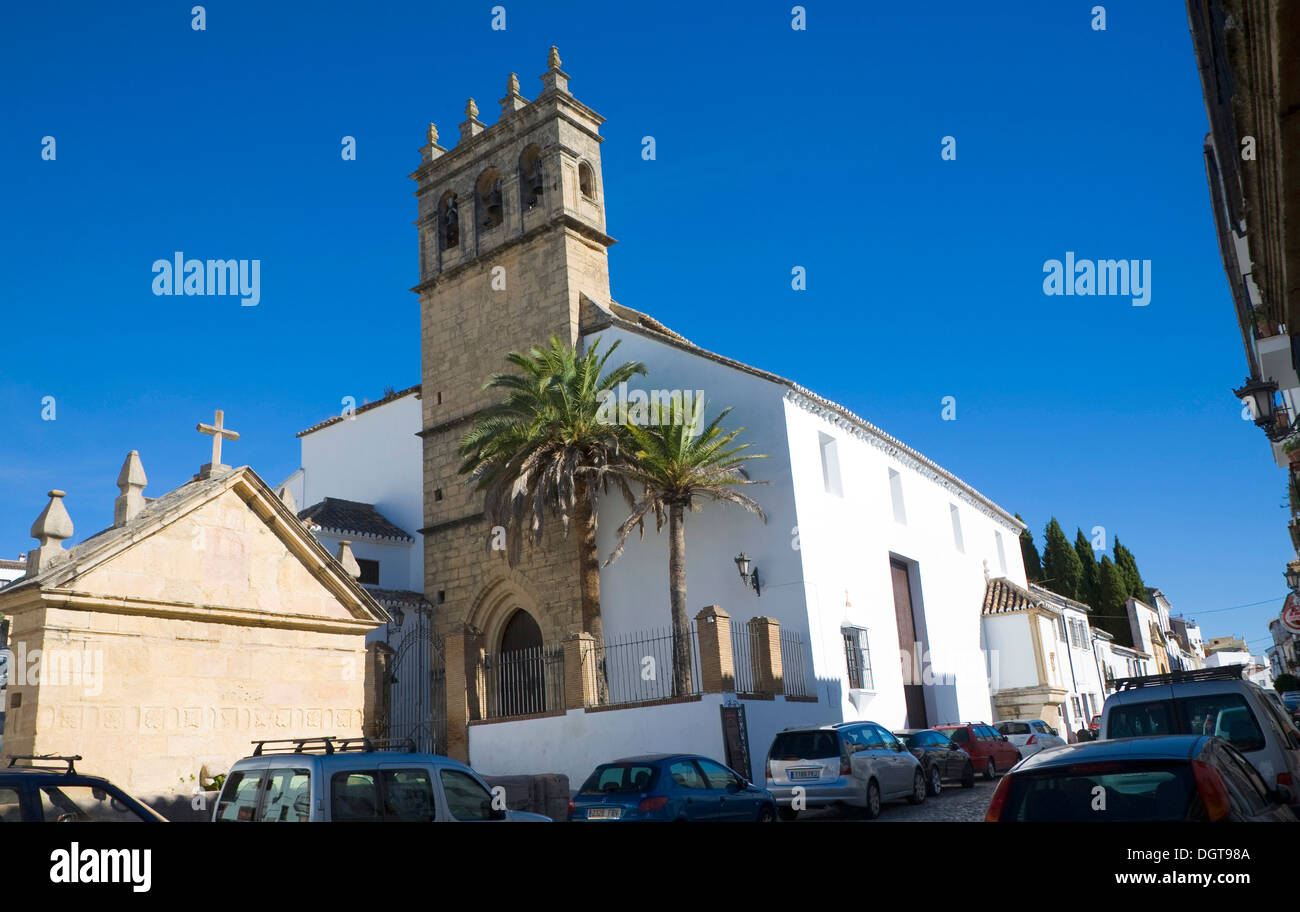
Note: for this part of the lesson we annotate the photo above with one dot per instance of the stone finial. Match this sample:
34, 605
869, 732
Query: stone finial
554, 77
349, 560
472, 126
51, 528
513, 100
433, 133
131, 483
286, 498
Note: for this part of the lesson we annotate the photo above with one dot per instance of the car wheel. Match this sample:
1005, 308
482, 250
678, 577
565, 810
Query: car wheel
872, 810
918, 789
968, 776
990, 770
936, 781
766, 814
788, 814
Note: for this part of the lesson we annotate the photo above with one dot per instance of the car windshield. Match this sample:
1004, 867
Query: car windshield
805, 745
621, 778
1225, 715
1111, 792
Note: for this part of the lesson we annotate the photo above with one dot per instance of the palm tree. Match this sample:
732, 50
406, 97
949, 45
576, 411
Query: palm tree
677, 465
547, 449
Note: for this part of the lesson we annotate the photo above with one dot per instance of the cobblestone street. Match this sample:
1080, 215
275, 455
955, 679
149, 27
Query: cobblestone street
953, 804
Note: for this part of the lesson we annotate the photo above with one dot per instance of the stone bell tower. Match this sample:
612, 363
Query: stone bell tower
512, 232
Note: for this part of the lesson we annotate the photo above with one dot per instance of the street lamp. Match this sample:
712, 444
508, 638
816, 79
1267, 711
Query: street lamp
748, 577
1261, 401
1293, 576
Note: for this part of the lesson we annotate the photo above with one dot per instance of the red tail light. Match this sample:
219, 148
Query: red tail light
649, 805
845, 768
572, 807
994, 813
1033, 739
1214, 794
1284, 779
767, 770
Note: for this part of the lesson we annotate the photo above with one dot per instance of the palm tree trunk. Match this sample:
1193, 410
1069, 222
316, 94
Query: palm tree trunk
589, 581
677, 593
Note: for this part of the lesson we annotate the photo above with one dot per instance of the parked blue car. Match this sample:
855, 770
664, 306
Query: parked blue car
670, 787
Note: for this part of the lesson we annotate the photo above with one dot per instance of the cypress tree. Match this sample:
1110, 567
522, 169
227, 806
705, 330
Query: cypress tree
1029, 553
1110, 613
1062, 569
1128, 570
1089, 588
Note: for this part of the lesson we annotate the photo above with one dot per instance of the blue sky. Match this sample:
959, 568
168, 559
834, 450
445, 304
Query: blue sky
775, 148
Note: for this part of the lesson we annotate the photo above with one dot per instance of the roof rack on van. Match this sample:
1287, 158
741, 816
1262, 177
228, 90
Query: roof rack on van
1223, 673
52, 764
331, 744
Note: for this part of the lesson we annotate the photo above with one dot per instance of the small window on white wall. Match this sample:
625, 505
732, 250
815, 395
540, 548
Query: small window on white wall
830, 464
896, 494
1002, 552
956, 528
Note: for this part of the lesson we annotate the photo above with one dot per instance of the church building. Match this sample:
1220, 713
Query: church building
859, 598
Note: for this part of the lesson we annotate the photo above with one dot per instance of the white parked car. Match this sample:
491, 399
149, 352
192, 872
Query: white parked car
1029, 735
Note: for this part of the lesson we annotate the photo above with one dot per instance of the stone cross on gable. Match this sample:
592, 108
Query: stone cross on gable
217, 430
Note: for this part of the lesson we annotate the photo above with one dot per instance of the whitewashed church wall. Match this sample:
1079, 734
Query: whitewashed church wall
373, 457
634, 589
848, 533
576, 742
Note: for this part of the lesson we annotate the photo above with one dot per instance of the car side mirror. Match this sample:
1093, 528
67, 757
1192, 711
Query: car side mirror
498, 813
898, 745
953, 745
735, 786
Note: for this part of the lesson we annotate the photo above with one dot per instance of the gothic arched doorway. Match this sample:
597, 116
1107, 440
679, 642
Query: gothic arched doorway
521, 681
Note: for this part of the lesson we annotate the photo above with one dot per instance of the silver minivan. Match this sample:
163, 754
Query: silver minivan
1209, 701
306, 780
851, 764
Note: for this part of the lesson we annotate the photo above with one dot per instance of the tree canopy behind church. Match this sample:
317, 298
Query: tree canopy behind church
1075, 572
678, 464
545, 451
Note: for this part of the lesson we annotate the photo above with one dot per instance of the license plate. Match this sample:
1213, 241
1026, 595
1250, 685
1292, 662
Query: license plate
604, 813
805, 774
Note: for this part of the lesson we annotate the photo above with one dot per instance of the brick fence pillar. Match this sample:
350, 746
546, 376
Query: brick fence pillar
463, 657
765, 643
579, 671
717, 664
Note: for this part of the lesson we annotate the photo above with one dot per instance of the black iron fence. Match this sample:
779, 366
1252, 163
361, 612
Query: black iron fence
796, 663
524, 682
647, 665
742, 658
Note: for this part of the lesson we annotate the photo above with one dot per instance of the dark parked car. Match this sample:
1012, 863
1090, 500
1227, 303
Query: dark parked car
1194, 778
940, 758
670, 787
989, 749
51, 790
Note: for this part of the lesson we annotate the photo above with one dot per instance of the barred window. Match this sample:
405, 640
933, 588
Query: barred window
857, 657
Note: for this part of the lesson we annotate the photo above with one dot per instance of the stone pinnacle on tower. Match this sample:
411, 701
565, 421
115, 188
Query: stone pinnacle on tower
513, 100
472, 126
554, 77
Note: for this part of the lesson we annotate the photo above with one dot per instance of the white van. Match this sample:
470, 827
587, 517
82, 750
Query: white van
302, 780
1209, 701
